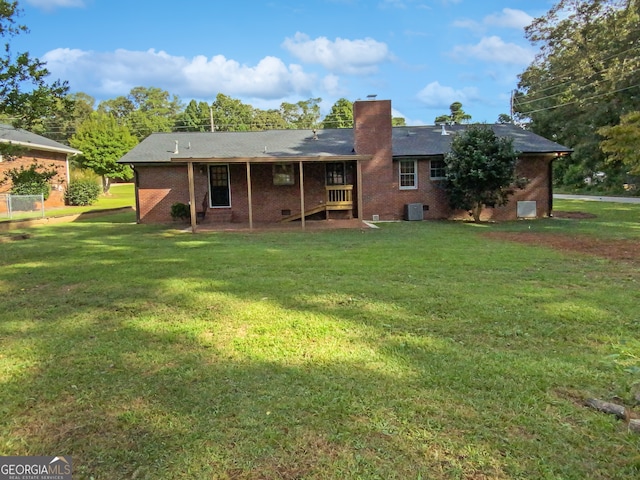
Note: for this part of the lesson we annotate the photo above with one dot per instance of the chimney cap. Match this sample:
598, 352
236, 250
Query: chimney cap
372, 96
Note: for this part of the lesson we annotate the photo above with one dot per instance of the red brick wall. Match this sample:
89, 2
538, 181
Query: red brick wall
432, 195
537, 170
58, 161
372, 136
159, 187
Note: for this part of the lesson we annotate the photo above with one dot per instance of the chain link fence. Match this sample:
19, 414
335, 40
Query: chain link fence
16, 207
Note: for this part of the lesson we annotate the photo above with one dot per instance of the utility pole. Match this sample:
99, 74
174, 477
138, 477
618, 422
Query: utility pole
213, 128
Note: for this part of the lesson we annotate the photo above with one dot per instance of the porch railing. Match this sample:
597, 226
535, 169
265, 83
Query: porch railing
339, 197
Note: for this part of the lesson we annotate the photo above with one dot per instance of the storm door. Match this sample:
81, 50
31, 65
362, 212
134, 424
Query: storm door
219, 186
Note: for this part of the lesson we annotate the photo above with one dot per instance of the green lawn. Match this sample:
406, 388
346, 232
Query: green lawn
120, 195
418, 350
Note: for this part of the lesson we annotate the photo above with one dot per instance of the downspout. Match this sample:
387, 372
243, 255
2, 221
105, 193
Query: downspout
550, 183
135, 183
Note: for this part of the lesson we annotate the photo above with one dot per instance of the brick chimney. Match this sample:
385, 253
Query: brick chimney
372, 136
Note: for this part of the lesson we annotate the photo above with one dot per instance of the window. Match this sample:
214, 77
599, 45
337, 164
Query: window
283, 174
339, 173
437, 170
408, 174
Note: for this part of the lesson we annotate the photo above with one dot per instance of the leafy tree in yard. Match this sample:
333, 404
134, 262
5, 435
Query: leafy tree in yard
341, 115
231, 115
584, 78
144, 110
622, 142
304, 114
103, 142
456, 116
25, 94
480, 170
195, 118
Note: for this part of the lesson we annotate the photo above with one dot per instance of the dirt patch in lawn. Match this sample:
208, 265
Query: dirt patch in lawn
617, 250
573, 215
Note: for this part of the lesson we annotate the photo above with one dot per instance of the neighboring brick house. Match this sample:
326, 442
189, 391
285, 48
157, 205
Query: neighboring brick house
44, 151
372, 172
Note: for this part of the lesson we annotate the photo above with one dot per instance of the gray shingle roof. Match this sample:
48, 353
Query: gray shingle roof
407, 141
429, 140
9, 134
160, 147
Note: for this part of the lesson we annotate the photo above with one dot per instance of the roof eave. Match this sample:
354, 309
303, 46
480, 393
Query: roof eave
46, 148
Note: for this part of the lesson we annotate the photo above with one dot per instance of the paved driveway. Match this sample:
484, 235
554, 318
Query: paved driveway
595, 198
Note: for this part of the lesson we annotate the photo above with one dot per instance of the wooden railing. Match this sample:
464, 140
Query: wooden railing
339, 197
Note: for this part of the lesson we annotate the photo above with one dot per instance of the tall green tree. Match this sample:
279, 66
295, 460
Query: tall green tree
268, 120
622, 142
340, 116
195, 118
144, 110
103, 141
25, 94
303, 114
231, 115
63, 122
584, 77
480, 170
456, 115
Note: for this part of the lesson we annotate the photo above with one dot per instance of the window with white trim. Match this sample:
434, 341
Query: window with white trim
408, 174
437, 170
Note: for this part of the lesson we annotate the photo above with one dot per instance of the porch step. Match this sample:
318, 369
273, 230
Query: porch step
216, 215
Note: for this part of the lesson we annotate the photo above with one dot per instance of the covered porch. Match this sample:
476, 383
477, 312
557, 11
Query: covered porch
302, 182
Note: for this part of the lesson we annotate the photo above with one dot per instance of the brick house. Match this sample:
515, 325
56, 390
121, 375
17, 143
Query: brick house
44, 151
371, 172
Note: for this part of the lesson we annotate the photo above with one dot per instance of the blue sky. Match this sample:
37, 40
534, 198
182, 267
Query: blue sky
420, 54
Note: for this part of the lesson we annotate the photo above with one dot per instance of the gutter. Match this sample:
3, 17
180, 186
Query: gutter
46, 148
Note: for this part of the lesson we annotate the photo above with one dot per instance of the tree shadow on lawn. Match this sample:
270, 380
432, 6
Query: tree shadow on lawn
126, 369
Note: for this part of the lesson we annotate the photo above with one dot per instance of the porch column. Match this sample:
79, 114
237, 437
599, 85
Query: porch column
359, 186
302, 220
192, 197
249, 189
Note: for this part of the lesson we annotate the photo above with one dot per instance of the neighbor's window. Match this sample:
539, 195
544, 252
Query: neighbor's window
437, 170
408, 174
283, 174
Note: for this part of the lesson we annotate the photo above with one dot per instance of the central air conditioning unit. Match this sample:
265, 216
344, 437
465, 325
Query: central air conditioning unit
413, 212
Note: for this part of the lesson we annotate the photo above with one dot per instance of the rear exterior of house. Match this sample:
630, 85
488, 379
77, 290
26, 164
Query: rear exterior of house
36, 148
371, 172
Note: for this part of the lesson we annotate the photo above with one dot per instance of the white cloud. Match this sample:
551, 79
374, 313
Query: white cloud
115, 73
494, 49
52, 4
435, 95
354, 57
509, 18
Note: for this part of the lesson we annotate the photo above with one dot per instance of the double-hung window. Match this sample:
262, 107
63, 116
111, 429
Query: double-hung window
437, 170
408, 174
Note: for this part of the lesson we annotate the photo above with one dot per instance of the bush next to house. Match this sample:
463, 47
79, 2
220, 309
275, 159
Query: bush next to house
180, 211
82, 192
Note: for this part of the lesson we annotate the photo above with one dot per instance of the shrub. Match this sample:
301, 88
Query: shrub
33, 180
82, 192
180, 211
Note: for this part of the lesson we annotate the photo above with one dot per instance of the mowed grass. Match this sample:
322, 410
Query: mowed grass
420, 350
120, 195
